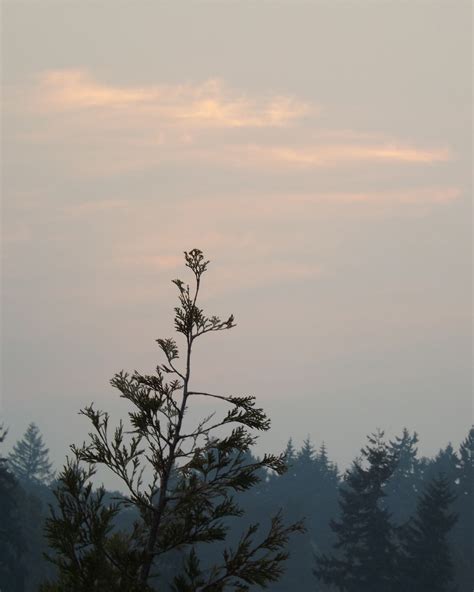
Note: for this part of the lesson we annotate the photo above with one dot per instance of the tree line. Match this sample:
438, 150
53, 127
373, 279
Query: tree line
199, 512
402, 514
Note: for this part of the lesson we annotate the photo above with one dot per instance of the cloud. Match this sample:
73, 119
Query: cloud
100, 129
330, 155
209, 104
420, 195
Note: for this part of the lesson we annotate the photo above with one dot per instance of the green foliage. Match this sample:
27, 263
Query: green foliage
29, 459
182, 480
84, 523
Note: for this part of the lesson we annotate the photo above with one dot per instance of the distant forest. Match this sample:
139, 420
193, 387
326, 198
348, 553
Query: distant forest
312, 488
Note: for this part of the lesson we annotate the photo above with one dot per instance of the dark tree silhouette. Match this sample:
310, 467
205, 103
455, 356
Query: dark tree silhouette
426, 562
462, 536
29, 459
181, 478
12, 542
365, 558
403, 487
445, 463
307, 490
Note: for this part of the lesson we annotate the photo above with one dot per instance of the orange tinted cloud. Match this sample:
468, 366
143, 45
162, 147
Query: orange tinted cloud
106, 130
332, 155
207, 104
421, 195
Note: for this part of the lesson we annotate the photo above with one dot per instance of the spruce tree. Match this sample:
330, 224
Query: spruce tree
29, 459
365, 551
426, 563
179, 476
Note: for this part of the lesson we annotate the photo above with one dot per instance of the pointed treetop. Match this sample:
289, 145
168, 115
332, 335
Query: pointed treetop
29, 458
467, 445
307, 451
290, 451
323, 453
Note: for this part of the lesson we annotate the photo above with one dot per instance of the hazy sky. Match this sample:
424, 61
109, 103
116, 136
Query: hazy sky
319, 153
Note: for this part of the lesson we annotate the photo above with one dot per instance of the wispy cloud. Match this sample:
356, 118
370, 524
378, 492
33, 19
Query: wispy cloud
104, 129
210, 103
420, 195
330, 155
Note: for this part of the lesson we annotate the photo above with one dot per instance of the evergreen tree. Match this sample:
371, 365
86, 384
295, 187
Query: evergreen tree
180, 477
12, 542
462, 535
307, 490
29, 459
426, 561
444, 463
465, 467
405, 483
327, 484
323, 458
290, 453
365, 558
307, 453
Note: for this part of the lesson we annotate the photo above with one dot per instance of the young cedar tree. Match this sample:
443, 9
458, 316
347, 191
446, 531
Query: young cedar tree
181, 478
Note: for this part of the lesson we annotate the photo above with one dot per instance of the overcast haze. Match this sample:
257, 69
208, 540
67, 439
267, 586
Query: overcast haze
319, 153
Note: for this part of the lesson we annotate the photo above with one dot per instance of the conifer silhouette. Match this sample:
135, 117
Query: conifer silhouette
29, 460
365, 551
426, 560
180, 477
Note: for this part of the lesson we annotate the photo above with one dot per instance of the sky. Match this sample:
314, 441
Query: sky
319, 153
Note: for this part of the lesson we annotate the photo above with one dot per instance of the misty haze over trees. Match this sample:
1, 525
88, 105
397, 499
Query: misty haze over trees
199, 512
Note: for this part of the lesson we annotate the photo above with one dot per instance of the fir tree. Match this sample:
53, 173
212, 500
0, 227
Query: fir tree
405, 483
444, 463
29, 459
290, 452
12, 541
307, 490
462, 535
327, 468
307, 453
180, 477
322, 455
426, 561
465, 466
365, 558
